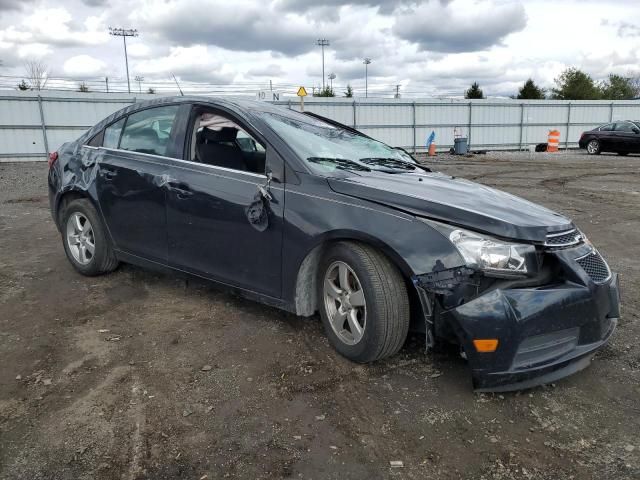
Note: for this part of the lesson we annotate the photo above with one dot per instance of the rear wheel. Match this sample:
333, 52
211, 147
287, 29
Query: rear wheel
593, 147
85, 241
363, 302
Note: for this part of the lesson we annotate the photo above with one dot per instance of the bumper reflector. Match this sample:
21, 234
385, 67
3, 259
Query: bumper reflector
486, 345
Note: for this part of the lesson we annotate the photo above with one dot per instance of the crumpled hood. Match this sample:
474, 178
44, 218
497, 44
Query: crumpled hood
457, 201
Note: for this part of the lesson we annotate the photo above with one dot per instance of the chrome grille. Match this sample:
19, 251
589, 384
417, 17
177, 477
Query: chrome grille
595, 266
568, 238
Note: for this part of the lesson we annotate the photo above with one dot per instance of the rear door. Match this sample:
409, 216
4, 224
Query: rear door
133, 171
221, 224
605, 135
626, 138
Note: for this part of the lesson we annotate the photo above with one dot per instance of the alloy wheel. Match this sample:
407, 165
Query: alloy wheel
345, 303
592, 146
80, 238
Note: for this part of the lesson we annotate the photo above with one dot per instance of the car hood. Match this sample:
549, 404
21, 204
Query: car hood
456, 201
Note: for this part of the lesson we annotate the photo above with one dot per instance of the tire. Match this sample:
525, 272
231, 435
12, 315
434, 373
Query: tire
593, 147
384, 318
102, 259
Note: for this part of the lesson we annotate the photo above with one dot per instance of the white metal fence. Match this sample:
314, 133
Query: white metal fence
33, 124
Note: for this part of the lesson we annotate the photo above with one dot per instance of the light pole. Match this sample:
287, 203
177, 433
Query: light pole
366, 62
139, 79
331, 77
323, 42
124, 33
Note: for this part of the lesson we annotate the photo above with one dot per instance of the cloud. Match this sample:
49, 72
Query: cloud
459, 27
12, 4
305, 6
194, 63
271, 70
238, 26
84, 66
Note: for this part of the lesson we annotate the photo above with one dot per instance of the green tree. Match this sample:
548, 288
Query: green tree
326, 92
530, 91
617, 87
151, 90
83, 87
349, 92
474, 92
574, 84
23, 85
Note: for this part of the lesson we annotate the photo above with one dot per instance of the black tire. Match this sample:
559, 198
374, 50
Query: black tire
593, 147
387, 302
623, 154
103, 259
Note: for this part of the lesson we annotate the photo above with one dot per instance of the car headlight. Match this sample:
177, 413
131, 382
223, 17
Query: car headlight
496, 258
490, 255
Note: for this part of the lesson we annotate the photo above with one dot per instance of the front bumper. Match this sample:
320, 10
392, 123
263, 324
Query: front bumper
545, 333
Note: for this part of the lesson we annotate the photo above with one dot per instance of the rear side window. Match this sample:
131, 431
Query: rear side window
149, 131
606, 128
112, 134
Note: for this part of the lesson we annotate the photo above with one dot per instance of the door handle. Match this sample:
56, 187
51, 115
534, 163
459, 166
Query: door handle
181, 190
109, 174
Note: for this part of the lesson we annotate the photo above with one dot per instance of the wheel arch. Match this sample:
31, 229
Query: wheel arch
66, 197
305, 288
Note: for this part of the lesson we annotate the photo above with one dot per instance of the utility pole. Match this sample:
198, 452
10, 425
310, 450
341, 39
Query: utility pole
323, 42
366, 62
397, 91
331, 77
139, 79
124, 33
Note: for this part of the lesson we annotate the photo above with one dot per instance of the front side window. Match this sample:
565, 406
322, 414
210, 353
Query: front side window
218, 140
149, 131
625, 127
327, 148
112, 134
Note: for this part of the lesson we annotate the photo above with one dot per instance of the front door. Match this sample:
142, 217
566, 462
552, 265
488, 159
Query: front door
131, 178
224, 220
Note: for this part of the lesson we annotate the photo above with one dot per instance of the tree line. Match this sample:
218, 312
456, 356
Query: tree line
573, 84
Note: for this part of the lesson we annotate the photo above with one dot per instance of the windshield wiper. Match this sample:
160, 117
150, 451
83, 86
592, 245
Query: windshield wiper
341, 163
388, 162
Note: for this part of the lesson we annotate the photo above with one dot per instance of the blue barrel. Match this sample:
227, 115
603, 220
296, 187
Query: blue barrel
460, 145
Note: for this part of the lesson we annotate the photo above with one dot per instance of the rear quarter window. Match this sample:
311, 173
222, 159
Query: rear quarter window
112, 134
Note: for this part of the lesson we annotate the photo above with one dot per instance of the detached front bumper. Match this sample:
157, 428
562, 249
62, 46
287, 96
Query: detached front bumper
544, 333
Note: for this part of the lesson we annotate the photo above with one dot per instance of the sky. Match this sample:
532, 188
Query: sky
428, 47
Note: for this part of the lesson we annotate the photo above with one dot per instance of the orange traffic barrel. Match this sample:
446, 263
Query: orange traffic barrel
432, 149
553, 141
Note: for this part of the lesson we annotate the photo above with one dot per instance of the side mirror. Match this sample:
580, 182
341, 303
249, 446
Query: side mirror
636, 130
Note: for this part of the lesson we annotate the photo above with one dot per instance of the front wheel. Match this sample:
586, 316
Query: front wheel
85, 239
363, 302
593, 147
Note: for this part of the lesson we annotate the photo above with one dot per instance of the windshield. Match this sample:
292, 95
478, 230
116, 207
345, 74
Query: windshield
327, 148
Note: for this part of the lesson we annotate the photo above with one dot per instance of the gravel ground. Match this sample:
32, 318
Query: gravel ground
141, 375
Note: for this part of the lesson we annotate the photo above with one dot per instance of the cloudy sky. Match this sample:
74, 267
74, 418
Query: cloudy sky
429, 47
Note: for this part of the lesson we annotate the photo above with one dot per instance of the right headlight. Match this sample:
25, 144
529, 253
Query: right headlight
490, 255
497, 258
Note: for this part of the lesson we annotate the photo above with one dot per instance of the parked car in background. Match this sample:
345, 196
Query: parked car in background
309, 215
622, 137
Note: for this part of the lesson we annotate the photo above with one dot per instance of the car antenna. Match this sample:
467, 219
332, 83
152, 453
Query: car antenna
174, 79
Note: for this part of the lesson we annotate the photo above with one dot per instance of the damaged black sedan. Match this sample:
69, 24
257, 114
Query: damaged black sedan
303, 213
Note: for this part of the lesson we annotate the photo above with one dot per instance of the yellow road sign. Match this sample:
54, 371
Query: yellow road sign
302, 92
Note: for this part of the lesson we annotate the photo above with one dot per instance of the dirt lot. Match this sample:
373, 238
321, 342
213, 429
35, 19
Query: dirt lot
141, 375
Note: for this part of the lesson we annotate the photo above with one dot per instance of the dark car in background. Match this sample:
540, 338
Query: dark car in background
621, 137
309, 215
